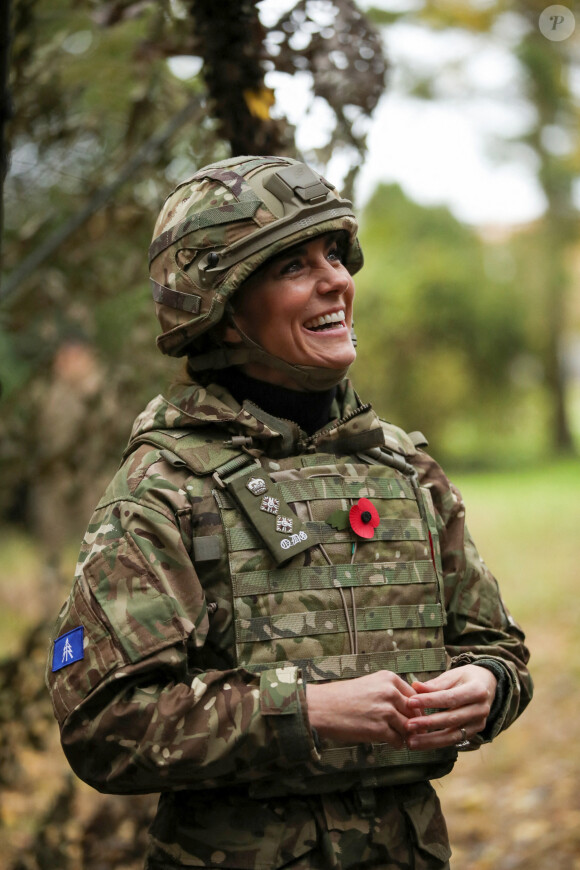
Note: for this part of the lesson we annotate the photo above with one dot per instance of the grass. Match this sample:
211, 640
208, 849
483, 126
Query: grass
526, 525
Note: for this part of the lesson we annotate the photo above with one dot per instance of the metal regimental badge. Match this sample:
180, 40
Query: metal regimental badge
256, 485
270, 504
284, 525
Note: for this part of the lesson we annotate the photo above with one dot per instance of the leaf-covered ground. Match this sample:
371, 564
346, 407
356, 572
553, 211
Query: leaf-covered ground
514, 805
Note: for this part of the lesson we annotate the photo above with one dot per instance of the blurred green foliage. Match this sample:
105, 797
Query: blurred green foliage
442, 320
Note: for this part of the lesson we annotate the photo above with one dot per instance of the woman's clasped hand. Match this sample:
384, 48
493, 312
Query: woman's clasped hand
383, 708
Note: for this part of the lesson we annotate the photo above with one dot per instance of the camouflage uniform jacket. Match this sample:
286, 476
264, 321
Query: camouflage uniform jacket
145, 674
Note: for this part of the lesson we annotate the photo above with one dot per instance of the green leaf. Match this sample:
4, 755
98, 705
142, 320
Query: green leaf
338, 520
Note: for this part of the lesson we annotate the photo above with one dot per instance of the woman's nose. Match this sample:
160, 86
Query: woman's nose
331, 277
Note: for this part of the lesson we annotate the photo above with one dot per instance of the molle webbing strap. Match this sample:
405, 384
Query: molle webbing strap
392, 458
427, 511
310, 624
349, 666
175, 299
311, 489
381, 755
231, 468
322, 533
426, 504
209, 218
332, 576
206, 548
236, 170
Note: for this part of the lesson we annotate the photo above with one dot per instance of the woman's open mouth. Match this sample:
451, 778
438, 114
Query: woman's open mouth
326, 321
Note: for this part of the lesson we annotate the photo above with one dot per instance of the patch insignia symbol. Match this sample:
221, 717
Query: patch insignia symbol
270, 504
68, 648
285, 543
256, 485
284, 525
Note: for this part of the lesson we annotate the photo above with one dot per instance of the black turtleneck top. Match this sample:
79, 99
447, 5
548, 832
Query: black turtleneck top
311, 411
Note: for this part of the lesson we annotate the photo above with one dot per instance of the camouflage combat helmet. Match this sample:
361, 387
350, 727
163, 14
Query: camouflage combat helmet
216, 228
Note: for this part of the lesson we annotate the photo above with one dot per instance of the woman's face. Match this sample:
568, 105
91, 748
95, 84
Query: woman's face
298, 307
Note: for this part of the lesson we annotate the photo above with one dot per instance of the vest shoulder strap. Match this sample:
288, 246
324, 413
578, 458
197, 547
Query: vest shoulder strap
418, 439
199, 450
398, 440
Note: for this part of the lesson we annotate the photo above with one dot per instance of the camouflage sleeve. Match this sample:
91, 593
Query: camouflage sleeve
480, 629
135, 714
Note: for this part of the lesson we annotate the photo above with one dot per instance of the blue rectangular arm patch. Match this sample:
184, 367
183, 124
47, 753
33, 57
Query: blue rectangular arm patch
68, 648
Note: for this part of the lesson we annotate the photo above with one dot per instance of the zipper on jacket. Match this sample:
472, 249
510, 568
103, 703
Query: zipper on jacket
306, 444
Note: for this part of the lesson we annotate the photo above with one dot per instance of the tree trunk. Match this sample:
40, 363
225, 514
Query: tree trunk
557, 280
232, 48
5, 100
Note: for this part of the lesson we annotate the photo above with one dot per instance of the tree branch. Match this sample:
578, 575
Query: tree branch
143, 156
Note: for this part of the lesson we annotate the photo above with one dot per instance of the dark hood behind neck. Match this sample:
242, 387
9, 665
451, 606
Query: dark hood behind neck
311, 411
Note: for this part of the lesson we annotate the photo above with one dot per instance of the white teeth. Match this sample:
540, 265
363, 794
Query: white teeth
336, 317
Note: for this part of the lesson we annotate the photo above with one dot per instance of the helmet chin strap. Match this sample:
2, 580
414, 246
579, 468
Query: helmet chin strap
309, 378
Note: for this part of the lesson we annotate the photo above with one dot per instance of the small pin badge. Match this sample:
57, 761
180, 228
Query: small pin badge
256, 485
284, 525
270, 504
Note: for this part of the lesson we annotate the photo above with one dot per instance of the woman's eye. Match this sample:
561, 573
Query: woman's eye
335, 253
291, 266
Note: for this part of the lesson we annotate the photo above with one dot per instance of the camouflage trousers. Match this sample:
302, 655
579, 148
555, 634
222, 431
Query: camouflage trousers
396, 828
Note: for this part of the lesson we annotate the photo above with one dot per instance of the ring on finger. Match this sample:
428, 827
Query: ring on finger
464, 739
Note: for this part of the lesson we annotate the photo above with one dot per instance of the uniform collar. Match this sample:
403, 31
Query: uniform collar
353, 426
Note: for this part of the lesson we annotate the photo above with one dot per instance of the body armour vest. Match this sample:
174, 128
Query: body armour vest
306, 589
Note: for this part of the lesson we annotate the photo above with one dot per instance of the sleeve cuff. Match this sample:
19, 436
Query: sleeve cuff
283, 700
501, 699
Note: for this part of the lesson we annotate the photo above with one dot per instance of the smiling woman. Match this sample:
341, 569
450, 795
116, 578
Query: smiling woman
279, 620
298, 306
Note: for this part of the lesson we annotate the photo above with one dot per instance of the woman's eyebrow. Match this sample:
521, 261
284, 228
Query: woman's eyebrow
296, 251
300, 249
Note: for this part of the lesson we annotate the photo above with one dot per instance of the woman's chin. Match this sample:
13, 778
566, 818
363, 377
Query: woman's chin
331, 354
338, 360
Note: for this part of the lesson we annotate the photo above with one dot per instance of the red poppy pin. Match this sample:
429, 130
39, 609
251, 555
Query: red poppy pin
364, 518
